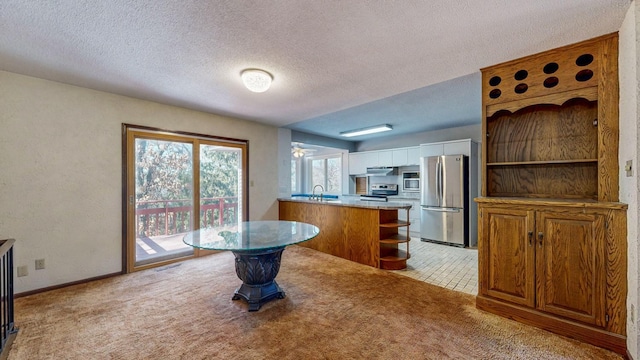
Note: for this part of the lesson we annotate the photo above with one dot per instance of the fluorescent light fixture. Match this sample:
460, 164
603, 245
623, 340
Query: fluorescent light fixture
256, 80
365, 131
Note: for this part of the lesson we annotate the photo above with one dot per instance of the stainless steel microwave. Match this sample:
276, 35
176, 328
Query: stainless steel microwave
411, 181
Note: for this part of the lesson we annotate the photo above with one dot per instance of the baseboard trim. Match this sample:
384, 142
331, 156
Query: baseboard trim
594, 336
60, 286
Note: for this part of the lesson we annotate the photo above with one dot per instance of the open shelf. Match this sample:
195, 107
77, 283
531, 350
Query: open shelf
547, 151
395, 239
395, 224
542, 162
391, 256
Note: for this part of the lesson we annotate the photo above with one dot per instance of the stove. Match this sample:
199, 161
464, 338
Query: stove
373, 198
384, 189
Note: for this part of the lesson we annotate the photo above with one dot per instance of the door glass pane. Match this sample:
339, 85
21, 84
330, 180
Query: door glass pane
163, 199
220, 186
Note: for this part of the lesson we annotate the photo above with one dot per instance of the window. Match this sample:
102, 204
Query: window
326, 171
295, 175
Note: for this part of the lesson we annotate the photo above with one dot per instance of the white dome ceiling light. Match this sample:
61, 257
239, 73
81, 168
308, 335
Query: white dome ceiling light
256, 80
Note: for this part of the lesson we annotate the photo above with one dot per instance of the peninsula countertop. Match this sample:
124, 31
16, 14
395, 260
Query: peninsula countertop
382, 205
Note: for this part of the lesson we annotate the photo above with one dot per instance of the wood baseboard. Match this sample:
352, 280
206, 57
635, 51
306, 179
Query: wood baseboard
49, 288
594, 336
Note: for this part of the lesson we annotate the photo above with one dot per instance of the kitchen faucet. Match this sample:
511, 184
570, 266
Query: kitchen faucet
313, 192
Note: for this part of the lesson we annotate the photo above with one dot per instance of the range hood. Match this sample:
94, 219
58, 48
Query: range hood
382, 171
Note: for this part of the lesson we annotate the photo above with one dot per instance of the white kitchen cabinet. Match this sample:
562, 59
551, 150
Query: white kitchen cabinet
399, 157
457, 147
413, 155
360, 161
435, 149
385, 158
406, 156
414, 216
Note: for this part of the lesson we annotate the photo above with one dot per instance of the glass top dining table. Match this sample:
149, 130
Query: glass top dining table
257, 247
252, 235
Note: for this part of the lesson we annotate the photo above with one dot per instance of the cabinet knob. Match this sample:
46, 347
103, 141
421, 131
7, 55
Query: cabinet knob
540, 236
530, 233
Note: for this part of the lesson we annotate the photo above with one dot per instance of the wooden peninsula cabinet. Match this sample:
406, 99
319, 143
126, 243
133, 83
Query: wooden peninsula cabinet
361, 231
552, 236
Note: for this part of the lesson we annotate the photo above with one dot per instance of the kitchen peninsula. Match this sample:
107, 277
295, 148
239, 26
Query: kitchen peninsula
362, 231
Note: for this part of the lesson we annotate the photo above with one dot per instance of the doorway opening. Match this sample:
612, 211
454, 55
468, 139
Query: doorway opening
176, 183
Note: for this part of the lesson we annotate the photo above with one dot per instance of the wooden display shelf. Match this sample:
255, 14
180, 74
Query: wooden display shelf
552, 236
395, 239
395, 224
542, 162
393, 258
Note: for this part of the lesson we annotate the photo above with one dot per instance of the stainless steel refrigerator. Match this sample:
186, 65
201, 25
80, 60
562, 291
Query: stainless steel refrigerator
444, 212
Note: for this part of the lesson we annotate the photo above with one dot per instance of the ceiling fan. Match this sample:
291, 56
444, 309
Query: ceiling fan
298, 151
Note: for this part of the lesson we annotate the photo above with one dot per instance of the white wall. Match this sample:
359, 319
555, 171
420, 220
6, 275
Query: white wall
629, 131
284, 162
61, 172
472, 132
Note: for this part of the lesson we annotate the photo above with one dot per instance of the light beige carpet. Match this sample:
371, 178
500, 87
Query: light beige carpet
334, 309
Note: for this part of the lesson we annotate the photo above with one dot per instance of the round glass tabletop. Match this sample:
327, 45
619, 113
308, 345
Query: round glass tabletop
252, 235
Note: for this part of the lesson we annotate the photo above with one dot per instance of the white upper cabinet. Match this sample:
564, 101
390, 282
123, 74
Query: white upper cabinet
360, 161
405, 156
431, 150
458, 147
413, 155
385, 158
399, 157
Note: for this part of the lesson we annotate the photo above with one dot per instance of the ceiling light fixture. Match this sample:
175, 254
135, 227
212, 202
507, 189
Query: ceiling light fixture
297, 152
365, 131
256, 80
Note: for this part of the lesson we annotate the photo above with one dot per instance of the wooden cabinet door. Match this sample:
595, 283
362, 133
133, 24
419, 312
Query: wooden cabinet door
507, 255
571, 271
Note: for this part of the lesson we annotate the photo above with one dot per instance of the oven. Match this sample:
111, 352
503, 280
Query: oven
411, 181
379, 192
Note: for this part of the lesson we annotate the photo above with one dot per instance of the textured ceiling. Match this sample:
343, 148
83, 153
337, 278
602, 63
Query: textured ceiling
337, 64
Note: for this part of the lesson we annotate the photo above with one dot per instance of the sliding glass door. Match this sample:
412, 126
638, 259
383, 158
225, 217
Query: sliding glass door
176, 184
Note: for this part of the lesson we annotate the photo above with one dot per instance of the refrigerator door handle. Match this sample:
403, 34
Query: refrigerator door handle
440, 209
439, 182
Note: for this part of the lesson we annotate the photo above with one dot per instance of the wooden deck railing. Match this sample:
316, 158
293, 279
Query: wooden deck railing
8, 330
169, 217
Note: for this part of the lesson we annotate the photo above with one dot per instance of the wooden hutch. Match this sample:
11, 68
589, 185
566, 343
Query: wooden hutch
552, 234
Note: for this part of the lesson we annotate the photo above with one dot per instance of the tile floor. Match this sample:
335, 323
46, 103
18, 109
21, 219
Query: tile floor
446, 266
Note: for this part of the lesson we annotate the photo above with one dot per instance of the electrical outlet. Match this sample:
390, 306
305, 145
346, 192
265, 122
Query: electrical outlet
628, 168
39, 264
23, 270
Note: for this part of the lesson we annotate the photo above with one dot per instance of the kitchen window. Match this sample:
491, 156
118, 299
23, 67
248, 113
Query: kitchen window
326, 171
295, 175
